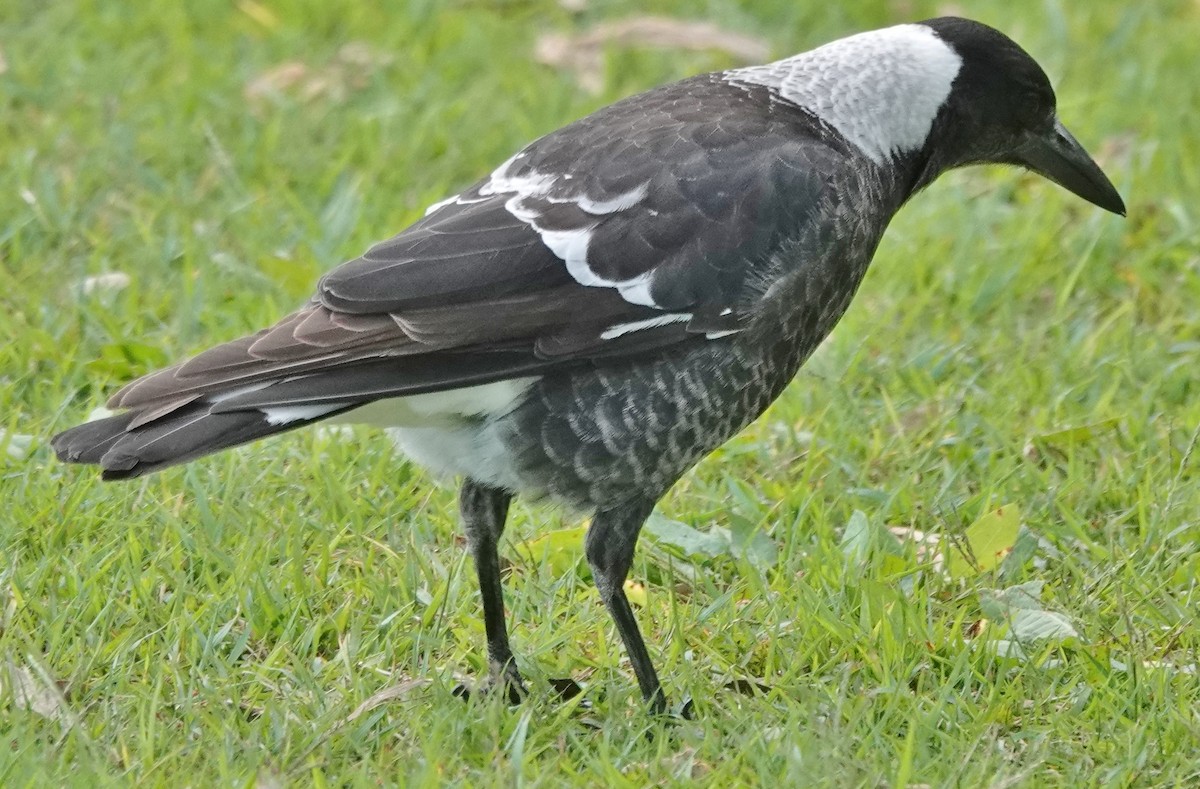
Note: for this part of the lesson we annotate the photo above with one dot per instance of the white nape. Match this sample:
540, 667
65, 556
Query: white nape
881, 89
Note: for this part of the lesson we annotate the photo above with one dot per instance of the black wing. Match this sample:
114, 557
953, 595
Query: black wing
651, 223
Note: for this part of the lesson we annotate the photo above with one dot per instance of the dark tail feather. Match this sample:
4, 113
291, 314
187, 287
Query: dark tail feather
124, 452
88, 442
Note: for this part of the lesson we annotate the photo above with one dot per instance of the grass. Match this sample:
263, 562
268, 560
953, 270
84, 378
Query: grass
218, 624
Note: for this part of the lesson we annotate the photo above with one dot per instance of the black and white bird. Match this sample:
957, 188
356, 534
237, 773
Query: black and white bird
622, 295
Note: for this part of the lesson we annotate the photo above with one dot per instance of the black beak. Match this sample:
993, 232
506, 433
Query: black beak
1059, 156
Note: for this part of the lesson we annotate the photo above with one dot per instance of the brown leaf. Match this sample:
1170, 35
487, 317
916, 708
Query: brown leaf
33, 691
583, 54
350, 70
275, 80
393, 693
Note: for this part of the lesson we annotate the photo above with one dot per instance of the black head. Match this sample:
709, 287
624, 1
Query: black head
1002, 109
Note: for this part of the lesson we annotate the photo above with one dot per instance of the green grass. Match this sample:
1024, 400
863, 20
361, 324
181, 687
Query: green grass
218, 624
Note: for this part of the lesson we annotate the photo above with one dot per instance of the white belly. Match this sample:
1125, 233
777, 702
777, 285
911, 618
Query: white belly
452, 432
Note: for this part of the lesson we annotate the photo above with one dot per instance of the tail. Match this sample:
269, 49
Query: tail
134, 443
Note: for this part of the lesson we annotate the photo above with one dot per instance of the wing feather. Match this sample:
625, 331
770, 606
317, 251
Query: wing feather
647, 225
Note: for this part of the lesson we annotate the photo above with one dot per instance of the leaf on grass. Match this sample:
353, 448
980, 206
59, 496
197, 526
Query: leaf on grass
561, 550
16, 445
111, 282
1020, 609
259, 13
856, 539
35, 692
748, 543
684, 539
863, 538
348, 72
986, 542
1189, 669
392, 693
997, 603
583, 54
636, 593
1029, 625
1077, 435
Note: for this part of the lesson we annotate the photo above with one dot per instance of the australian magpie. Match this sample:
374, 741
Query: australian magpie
619, 297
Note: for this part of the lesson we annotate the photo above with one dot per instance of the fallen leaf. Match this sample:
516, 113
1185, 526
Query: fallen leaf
1020, 609
583, 54
685, 539
561, 549
864, 538
348, 71
1030, 625
34, 691
1190, 669
16, 445
392, 693
111, 282
1077, 435
259, 13
275, 80
986, 542
856, 539
636, 593
1027, 596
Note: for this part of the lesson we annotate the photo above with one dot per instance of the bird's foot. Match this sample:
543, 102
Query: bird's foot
672, 713
505, 679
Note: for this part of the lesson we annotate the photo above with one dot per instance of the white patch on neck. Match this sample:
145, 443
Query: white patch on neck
881, 89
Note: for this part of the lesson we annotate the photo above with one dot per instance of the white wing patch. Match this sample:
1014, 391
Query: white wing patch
569, 245
881, 89
613, 332
451, 200
282, 415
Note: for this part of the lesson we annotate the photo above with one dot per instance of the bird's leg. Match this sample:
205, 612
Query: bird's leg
484, 510
609, 545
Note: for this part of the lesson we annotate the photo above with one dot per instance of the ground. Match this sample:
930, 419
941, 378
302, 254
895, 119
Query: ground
960, 550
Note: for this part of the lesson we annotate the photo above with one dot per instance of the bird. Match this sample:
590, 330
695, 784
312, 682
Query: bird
620, 297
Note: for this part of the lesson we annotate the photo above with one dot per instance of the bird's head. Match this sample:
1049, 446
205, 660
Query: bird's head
1001, 109
936, 95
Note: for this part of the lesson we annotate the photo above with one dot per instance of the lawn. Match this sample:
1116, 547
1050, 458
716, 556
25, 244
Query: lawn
961, 550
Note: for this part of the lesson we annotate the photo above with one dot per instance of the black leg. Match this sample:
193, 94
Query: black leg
610, 544
484, 511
